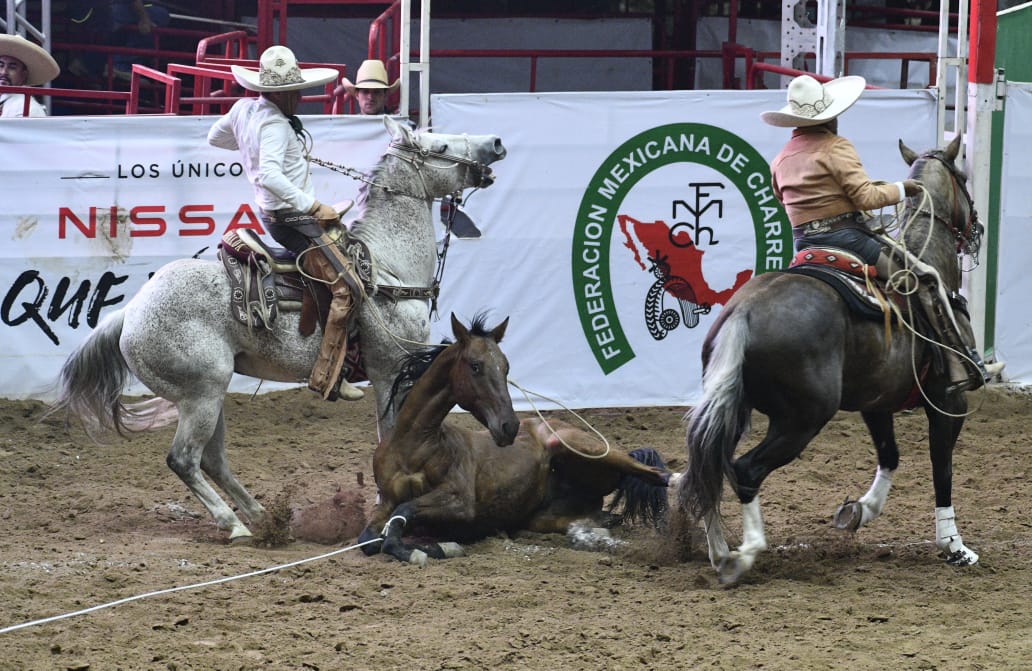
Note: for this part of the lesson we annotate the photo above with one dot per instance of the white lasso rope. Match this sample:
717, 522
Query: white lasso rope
526, 395
183, 588
905, 282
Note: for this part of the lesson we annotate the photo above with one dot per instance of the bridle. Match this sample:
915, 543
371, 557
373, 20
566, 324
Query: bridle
418, 157
967, 234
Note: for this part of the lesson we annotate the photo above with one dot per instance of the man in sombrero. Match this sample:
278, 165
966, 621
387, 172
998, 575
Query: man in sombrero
370, 88
23, 63
819, 179
274, 149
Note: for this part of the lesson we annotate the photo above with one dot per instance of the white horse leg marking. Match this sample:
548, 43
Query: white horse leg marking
754, 541
852, 515
948, 540
715, 542
874, 500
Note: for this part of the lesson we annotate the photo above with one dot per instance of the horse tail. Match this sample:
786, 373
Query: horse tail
93, 377
643, 501
718, 421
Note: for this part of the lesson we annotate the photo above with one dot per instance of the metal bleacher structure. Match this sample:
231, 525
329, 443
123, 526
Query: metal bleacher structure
177, 81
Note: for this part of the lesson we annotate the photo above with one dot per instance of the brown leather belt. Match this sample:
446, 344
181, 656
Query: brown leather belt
827, 225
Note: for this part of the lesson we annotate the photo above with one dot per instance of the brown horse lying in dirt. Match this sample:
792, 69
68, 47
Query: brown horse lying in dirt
444, 481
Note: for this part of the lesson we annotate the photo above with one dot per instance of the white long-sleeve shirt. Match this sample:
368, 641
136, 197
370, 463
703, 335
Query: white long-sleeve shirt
273, 158
13, 104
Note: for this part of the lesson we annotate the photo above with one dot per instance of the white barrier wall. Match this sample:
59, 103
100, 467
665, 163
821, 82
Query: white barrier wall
1013, 316
586, 231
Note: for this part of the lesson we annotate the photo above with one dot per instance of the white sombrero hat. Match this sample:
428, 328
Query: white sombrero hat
372, 74
278, 71
811, 103
41, 65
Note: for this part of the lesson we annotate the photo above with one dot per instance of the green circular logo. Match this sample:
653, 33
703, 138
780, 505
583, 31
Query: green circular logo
650, 150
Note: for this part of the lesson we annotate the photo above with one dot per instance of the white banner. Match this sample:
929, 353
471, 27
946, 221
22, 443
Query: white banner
620, 224
95, 205
586, 232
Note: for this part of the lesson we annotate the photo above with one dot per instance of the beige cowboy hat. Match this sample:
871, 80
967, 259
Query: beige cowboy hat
811, 103
41, 65
372, 74
278, 71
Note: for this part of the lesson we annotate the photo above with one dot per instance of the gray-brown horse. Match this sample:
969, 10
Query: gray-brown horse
787, 346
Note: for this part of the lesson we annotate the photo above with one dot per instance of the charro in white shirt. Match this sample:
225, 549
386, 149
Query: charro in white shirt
272, 155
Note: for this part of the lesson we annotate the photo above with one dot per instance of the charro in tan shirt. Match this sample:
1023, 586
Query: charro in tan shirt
818, 174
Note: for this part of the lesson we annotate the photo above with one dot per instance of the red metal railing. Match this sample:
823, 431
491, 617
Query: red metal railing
272, 18
755, 67
172, 86
234, 44
106, 97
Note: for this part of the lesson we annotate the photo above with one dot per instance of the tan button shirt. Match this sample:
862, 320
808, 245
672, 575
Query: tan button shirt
818, 174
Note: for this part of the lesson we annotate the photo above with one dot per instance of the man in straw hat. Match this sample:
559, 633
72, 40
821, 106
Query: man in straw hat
819, 179
274, 148
23, 63
370, 88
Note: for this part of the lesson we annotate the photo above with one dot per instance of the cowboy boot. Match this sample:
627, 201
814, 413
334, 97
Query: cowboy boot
326, 378
977, 372
964, 366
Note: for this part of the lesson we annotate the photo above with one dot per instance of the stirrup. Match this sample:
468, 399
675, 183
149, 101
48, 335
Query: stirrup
345, 390
978, 374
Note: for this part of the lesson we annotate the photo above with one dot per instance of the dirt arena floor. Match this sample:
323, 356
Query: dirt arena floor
86, 525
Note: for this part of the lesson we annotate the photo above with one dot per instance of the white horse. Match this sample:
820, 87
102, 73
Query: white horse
178, 337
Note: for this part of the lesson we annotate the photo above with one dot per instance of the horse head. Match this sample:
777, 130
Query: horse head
480, 378
446, 163
947, 208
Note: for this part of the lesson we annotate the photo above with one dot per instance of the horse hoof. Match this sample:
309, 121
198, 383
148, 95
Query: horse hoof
242, 541
451, 550
729, 571
418, 557
849, 516
961, 557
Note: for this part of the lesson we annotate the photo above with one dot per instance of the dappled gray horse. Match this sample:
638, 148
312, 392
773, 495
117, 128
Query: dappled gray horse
178, 337
787, 346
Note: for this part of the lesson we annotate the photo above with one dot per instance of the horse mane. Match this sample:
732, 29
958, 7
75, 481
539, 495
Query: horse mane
373, 177
412, 367
414, 364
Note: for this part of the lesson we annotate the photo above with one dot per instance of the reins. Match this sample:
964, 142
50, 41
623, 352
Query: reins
418, 157
967, 238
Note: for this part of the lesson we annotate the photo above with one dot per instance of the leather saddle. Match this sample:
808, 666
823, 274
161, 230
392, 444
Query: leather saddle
855, 281
265, 281
858, 285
